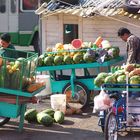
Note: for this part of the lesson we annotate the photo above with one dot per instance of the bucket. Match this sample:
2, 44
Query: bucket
46, 79
58, 102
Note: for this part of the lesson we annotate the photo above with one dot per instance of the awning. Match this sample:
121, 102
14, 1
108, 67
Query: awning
85, 8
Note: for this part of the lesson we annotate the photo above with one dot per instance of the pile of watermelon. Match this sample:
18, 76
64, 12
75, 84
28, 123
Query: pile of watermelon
119, 75
76, 53
46, 117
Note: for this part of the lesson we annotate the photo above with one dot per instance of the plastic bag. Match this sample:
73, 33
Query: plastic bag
102, 102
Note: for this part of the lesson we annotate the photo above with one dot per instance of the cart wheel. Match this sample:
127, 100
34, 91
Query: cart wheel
81, 97
4, 120
110, 127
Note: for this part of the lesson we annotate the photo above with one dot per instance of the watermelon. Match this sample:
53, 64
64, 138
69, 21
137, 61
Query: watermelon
98, 81
77, 43
135, 80
44, 119
58, 60
110, 79
67, 59
30, 115
49, 111
78, 58
103, 75
59, 117
41, 60
48, 61
88, 58
121, 79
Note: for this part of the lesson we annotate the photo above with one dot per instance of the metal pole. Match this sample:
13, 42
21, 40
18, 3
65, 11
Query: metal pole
39, 29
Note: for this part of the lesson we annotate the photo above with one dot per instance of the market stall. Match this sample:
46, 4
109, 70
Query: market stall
119, 100
77, 88
17, 85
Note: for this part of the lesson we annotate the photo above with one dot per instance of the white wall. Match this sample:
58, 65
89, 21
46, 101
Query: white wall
89, 28
107, 28
53, 29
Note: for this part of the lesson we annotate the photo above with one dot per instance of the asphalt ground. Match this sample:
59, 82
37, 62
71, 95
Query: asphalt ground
75, 127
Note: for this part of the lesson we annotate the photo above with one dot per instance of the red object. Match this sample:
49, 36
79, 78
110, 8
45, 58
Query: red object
29, 4
120, 109
76, 43
11, 99
34, 100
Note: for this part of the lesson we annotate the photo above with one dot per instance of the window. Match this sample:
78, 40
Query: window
13, 6
70, 32
29, 4
2, 6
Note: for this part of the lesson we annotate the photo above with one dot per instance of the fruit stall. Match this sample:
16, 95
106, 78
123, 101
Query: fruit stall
18, 84
119, 99
77, 55
118, 76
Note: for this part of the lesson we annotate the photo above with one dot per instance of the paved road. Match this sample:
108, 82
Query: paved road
75, 127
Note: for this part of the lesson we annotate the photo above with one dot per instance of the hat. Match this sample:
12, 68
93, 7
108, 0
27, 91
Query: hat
6, 37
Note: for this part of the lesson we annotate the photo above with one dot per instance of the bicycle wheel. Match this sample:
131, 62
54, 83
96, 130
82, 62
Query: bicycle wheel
81, 97
110, 130
102, 124
102, 116
4, 120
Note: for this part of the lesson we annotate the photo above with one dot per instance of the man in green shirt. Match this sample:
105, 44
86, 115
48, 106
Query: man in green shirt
5, 43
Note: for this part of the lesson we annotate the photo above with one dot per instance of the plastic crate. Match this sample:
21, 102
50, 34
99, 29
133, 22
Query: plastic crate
17, 70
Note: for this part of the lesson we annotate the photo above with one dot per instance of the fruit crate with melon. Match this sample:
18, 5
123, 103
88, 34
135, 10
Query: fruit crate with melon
77, 52
17, 71
120, 77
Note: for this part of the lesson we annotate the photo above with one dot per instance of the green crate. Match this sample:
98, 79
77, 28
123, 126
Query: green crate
17, 70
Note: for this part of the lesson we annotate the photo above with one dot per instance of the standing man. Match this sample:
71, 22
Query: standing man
132, 44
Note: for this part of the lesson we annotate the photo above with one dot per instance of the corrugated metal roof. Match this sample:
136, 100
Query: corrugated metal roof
85, 8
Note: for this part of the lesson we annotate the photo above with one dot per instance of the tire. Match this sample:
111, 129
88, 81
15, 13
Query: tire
102, 116
131, 8
35, 43
102, 124
110, 130
81, 98
4, 120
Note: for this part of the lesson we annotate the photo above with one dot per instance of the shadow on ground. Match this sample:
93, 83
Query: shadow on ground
57, 132
39, 132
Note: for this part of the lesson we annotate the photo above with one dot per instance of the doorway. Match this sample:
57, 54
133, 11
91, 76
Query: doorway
70, 32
